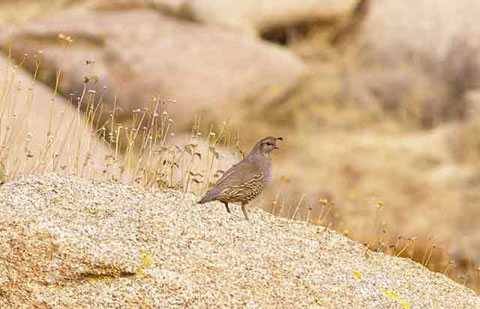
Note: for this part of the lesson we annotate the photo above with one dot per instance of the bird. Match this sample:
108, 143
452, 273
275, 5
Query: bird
245, 180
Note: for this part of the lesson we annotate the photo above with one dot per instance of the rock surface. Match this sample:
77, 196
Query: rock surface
174, 7
427, 196
426, 52
255, 17
200, 68
66, 242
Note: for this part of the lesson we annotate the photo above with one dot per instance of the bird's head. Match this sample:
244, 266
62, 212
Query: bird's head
267, 144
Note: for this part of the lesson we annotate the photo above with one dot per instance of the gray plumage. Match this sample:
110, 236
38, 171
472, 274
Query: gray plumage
245, 180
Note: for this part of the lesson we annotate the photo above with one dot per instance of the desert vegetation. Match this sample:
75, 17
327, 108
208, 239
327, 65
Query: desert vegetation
76, 141
380, 146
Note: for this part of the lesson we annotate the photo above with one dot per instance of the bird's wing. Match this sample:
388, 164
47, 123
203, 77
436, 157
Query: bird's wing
239, 174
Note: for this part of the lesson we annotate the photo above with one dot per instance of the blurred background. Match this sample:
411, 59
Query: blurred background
378, 100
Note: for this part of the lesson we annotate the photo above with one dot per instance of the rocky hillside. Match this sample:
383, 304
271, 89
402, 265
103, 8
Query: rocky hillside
67, 242
377, 100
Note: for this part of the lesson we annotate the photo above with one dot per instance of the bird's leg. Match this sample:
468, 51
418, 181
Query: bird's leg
226, 206
245, 211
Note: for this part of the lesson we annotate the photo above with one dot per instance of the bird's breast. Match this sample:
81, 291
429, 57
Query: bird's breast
267, 170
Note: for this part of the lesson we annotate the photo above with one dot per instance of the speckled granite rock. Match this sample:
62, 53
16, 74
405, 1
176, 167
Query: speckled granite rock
67, 242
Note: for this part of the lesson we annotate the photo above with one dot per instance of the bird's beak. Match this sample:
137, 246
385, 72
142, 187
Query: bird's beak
280, 139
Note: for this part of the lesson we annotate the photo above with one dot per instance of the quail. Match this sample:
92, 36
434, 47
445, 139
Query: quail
245, 180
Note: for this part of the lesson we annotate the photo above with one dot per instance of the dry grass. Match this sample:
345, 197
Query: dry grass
354, 176
141, 152
355, 147
144, 153
422, 249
